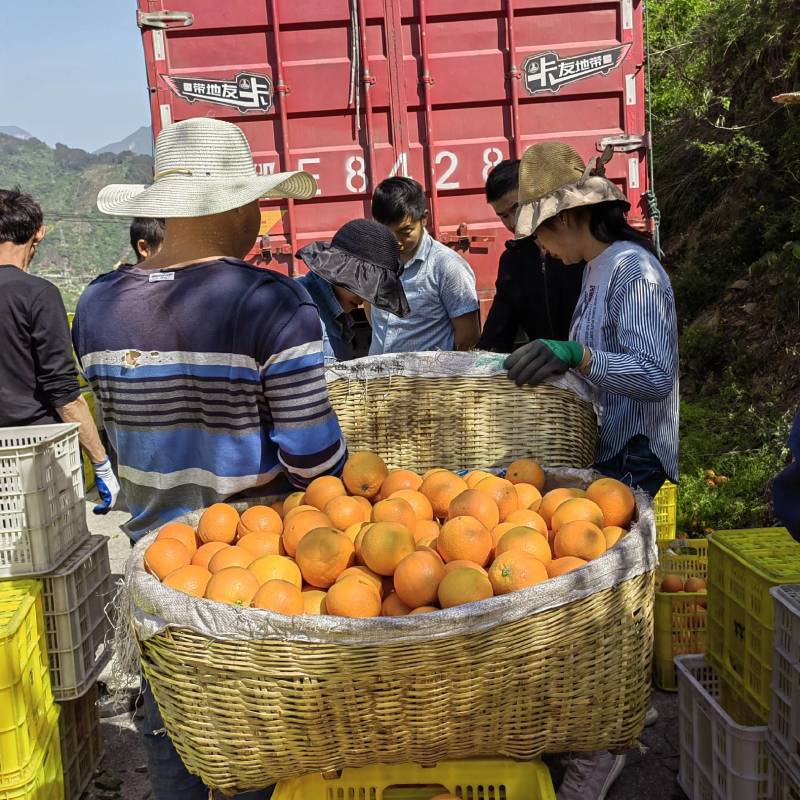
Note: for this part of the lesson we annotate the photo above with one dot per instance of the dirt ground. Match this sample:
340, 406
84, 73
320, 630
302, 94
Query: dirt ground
650, 772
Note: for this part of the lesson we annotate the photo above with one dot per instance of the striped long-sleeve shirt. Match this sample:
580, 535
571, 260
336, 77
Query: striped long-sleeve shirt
626, 316
211, 383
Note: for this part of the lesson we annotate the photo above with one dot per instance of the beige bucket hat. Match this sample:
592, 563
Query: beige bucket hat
788, 99
202, 166
553, 178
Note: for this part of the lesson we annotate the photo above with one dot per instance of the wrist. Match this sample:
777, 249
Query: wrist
586, 360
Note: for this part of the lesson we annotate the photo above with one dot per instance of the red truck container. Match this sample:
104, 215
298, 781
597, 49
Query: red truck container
440, 90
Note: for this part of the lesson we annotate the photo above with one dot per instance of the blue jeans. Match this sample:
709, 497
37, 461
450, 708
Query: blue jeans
169, 779
636, 466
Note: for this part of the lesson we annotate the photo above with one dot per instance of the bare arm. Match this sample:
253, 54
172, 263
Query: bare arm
467, 330
368, 312
78, 411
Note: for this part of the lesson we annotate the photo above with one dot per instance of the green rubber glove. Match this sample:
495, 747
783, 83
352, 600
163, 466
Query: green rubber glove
538, 360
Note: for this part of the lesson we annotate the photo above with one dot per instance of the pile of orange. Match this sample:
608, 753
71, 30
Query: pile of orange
380, 542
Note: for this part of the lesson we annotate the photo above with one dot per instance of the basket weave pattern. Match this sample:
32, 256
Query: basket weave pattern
242, 714
464, 423
245, 713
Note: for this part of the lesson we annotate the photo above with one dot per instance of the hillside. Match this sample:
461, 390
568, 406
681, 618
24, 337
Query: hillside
727, 163
139, 142
80, 243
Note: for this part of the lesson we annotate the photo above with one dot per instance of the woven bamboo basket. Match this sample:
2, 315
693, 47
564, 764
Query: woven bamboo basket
250, 697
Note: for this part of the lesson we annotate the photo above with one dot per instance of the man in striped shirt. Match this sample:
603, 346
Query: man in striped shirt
209, 370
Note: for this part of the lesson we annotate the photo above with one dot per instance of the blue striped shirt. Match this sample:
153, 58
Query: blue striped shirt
626, 316
211, 383
439, 286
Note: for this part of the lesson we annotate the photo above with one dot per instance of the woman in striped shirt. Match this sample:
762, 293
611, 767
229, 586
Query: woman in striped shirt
624, 333
623, 342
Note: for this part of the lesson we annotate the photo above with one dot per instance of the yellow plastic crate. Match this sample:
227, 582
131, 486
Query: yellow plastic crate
665, 507
26, 698
500, 779
742, 567
45, 779
679, 617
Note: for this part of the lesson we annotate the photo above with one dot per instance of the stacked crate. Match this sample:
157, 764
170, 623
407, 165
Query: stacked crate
30, 752
679, 618
783, 736
43, 534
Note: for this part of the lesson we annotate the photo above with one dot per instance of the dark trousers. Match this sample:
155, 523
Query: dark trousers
636, 466
169, 779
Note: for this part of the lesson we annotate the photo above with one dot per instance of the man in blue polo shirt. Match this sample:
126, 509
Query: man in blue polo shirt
439, 284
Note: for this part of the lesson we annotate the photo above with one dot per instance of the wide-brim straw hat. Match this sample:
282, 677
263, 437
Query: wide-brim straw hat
553, 178
202, 166
788, 99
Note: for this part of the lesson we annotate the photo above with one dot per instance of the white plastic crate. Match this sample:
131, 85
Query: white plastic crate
81, 745
784, 720
42, 513
720, 760
75, 596
785, 781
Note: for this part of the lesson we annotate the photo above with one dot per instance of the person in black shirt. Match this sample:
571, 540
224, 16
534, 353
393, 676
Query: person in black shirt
534, 297
38, 378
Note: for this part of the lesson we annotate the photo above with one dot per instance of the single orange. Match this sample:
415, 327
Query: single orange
345, 511
352, 597
515, 570
322, 490
191, 580
477, 504
457, 564
553, 499
259, 519
322, 555
560, 566
183, 533
529, 496
465, 538
313, 601
426, 529
261, 543
463, 585
206, 551
526, 470
615, 500
292, 501
525, 540
299, 525
366, 575
271, 568
364, 473
230, 557
397, 480
530, 519
503, 493
395, 510
281, 597
233, 585
472, 479
581, 539
218, 523
417, 578
423, 610
421, 505
164, 556
613, 534
441, 488
385, 545
393, 606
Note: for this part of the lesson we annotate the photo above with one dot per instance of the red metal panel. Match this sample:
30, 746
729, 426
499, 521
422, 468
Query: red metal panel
441, 97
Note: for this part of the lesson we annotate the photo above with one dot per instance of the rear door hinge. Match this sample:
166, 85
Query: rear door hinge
161, 20
625, 143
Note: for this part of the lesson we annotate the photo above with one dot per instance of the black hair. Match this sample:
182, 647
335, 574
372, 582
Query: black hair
609, 224
20, 216
503, 178
398, 198
149, 229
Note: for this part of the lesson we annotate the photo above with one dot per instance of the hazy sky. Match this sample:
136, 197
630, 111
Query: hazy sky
72, 71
